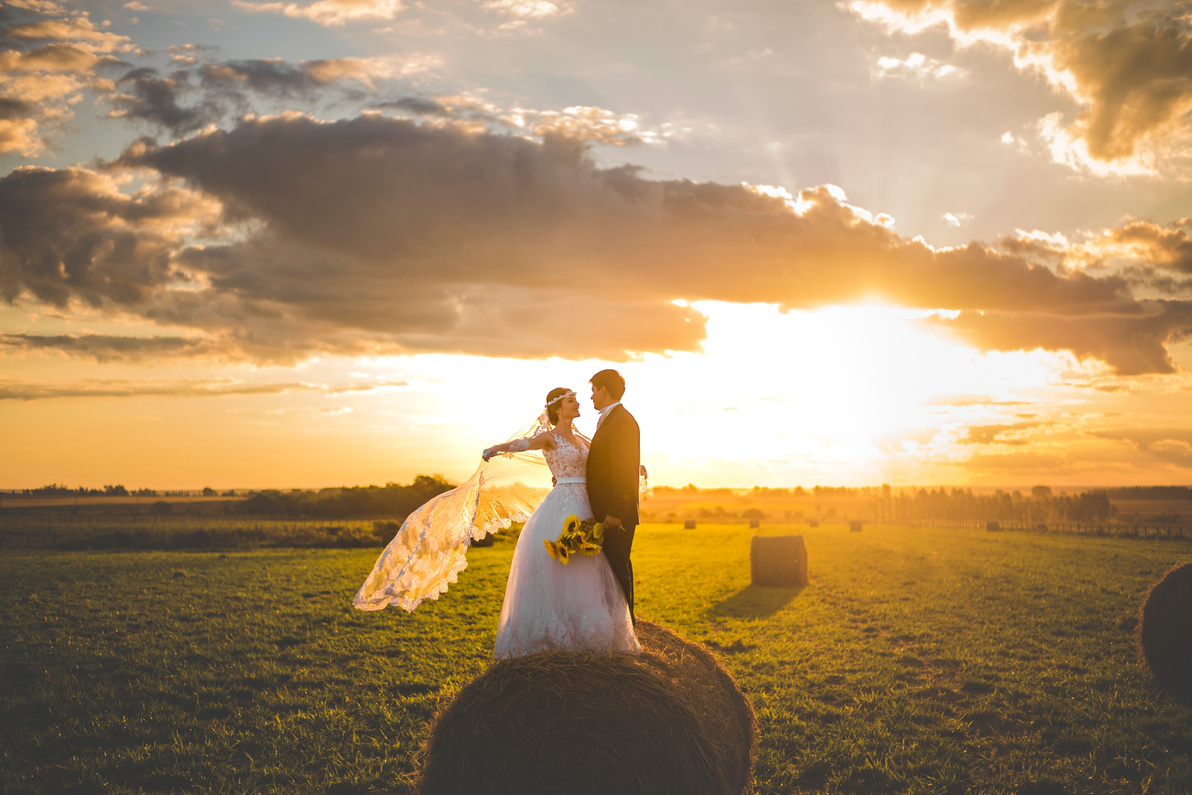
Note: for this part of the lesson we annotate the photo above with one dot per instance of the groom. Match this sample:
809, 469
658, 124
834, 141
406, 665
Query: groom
614, 465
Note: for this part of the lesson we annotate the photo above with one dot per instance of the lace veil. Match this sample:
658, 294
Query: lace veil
429, 551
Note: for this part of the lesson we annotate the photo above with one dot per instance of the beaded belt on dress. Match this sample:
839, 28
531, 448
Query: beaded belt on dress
564, 481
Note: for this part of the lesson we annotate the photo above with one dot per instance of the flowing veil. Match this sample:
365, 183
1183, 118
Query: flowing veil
429, 551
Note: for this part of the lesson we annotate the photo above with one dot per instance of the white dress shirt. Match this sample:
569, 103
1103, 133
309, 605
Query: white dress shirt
604, 413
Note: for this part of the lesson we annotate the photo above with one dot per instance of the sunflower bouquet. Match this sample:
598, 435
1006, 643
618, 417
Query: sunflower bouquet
579, 537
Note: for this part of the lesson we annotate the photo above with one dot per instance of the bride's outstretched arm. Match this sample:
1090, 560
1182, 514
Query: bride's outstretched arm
543, 441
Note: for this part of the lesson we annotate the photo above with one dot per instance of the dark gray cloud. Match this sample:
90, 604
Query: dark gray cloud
420, 106
11, 109
147, 97
1133, 344
71, 234
201, 93
382, 235
269, 77
105, 388
109, 348
448, 203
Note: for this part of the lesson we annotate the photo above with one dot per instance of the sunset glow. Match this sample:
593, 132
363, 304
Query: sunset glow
308, 244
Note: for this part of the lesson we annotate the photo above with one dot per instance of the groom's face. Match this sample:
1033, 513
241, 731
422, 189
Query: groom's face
600, 397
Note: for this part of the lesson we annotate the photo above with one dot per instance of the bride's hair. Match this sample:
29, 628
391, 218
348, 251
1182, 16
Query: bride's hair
552, 403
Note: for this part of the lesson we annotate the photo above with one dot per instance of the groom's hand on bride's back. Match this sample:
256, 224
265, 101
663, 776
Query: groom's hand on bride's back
611, 522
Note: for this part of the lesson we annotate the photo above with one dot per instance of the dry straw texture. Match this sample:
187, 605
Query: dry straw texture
778, 561
670, 721
1165, 632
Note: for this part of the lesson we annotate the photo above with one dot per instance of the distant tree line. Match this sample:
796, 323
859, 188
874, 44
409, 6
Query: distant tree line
392, 499
1151, 493
1039, 507
54, 490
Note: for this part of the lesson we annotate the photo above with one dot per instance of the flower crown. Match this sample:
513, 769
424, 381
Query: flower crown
564, 396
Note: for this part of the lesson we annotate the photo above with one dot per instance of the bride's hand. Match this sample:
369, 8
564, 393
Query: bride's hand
488, 453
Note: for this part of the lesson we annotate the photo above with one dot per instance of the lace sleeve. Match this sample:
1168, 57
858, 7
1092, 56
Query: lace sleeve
430, 549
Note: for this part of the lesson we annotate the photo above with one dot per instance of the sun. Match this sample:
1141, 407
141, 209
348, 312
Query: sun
829, 391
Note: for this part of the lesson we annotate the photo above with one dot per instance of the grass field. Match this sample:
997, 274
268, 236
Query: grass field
917, 660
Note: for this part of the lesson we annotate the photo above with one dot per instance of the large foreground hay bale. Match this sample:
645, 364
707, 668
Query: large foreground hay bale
778, 561
671, 720
1165, 632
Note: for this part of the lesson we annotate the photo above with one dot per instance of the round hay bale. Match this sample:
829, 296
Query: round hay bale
1165, 632
854, 526
712, 694
689, 524
671, 720
778, 561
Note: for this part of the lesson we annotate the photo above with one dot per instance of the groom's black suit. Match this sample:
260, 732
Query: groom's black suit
614, 466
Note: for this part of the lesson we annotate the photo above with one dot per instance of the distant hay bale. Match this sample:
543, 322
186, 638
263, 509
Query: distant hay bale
689, 524
1165, 633
779, 561
854, 526
813, 522
993, 527
671, 720
754, 524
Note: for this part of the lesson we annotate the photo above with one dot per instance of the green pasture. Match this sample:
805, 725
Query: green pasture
917, 660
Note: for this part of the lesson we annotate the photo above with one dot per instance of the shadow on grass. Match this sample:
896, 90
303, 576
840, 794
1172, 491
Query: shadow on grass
755, 601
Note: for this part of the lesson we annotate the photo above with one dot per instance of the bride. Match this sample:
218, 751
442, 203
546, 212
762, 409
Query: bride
547, 605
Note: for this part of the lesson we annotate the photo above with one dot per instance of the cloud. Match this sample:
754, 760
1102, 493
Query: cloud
382, 235
72, 234
105, 388
1129, 65
332, 13
998, 434
155, 100
1132, 344
528, 9
1147, 243
105, 348
1167, 445
1148, 255
227, 86
44, 69
916, 65
278, 78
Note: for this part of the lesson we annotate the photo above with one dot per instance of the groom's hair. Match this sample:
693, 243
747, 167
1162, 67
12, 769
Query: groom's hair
610, 380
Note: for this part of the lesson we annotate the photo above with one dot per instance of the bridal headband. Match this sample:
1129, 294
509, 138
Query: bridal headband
560, 397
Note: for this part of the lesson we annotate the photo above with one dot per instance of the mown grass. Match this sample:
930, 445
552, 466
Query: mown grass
917, 660
91, 531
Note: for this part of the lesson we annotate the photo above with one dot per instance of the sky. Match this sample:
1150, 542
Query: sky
251, 244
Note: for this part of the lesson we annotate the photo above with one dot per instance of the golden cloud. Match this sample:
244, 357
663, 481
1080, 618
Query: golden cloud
332, 13
45, 73
1128, 64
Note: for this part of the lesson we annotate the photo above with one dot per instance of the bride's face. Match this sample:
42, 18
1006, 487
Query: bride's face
569, 407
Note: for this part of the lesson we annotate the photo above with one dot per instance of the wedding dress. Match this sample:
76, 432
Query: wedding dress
548, 605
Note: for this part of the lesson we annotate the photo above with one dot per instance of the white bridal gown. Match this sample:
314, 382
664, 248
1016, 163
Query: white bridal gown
578, 606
